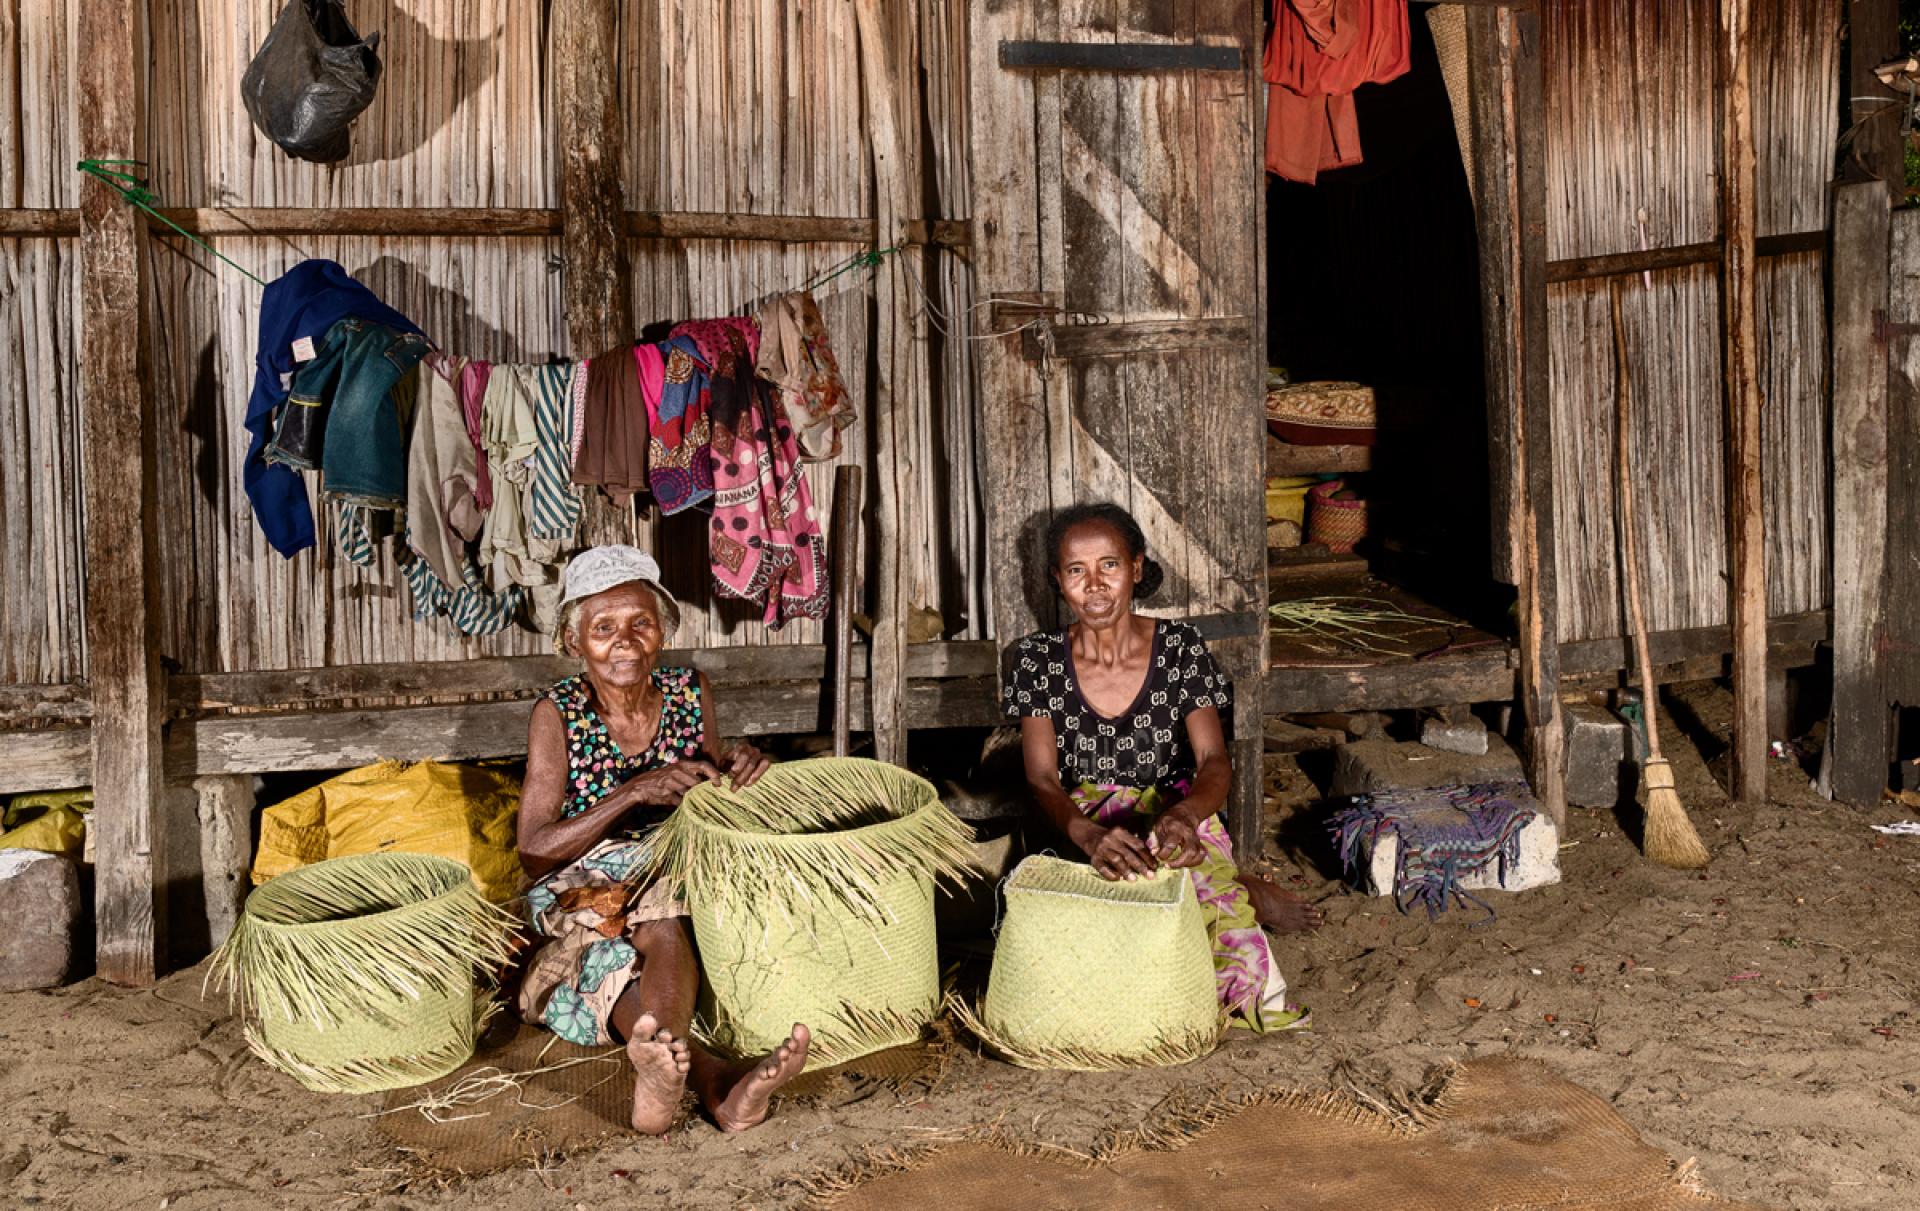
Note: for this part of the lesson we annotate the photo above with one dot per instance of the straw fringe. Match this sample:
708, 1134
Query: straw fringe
372, 1074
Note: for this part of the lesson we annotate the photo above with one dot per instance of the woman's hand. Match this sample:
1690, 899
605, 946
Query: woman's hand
664, 787
744, 764
1174, 839
1117, 854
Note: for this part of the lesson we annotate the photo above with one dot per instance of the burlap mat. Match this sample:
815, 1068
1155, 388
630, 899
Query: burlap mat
565, 1099
1504, 1135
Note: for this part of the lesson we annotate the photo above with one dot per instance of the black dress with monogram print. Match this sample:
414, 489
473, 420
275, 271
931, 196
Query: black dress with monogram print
1146, 744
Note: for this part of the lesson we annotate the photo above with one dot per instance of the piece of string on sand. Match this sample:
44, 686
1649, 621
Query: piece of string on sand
486, 1083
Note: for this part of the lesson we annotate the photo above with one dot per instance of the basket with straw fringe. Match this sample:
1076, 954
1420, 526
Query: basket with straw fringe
811, 894
1092, 974
358, 974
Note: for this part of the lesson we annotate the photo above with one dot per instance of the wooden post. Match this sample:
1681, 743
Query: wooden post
1901, 668
1853, 767
1739, 220
893, 200
122, 613
1509, 118
846, 595
592, 214
1873, 37
225, 807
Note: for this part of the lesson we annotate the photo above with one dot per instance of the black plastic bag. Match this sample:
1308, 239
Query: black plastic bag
310, 80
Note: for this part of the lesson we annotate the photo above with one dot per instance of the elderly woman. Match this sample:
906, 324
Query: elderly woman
609, 754
1120, 730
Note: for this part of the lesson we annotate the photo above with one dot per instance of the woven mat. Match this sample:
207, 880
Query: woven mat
585, 1104
1506, 1135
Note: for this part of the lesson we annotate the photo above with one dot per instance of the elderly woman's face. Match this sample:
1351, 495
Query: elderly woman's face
618, 634
1096, 574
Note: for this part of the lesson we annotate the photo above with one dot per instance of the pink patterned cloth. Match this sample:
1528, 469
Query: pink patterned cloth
714, 337
578, 410
473, 389
766, 544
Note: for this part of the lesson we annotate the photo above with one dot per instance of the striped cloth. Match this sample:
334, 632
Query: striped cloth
556, 506
471, 608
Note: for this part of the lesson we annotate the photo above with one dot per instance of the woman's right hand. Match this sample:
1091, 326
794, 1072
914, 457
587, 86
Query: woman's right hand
664, 787
1117, 854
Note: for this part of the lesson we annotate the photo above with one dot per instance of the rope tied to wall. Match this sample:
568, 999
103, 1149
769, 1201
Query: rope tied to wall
132, 188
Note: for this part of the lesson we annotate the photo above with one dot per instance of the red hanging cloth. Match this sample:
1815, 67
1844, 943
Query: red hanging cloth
1318, 53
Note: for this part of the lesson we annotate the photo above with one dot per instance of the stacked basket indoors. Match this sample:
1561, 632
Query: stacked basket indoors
811, 894
1094, 974
358, 974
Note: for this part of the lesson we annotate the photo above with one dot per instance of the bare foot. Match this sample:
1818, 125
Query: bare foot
1278, 909
659, 1075
746, 1103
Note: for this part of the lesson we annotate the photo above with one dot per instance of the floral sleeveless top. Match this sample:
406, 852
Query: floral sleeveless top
595, 764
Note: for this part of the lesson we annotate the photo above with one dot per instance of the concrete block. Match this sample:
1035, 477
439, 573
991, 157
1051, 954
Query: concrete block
1538, 866
1455, 732
1603, 759
1378, 765
40, 905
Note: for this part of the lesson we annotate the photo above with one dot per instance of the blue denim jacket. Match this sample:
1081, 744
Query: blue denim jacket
341, 416
305, 301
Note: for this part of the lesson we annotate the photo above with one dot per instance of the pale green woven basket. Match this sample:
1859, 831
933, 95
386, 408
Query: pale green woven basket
811, 894
358, 974
1095, 975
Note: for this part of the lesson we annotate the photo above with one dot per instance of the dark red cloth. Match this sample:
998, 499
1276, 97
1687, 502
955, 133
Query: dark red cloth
1318, 53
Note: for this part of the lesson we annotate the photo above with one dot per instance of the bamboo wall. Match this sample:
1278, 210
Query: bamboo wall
746, 106
1632, 119
40, 639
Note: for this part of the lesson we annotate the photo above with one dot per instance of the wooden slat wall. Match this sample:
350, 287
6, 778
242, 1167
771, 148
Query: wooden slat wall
1631, 127
749, 106
40, 632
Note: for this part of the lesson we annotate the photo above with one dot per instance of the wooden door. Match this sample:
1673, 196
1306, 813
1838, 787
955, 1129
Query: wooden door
1118, 243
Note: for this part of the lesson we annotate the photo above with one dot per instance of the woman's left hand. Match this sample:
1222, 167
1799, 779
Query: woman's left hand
744, 764
1175, 842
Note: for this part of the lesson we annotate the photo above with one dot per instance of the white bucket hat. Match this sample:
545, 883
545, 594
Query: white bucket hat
601, 568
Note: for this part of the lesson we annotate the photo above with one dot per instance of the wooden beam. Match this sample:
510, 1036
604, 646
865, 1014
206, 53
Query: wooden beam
1135, 338
1287, 458
1120, 56
1481, 676
1901, 669
1875, 140
1853, 767
337, 739
497, 222
1739, 221
596, 282
122, 616
1795, 632
1614, 264
1489, 87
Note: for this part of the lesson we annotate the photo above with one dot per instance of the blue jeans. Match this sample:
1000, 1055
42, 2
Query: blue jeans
340, 416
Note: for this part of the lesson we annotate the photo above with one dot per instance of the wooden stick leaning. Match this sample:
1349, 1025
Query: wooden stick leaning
1669, 837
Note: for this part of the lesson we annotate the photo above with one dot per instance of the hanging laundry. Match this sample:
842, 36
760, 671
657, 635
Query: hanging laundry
613, 450
765, 541
442, 514
713, 338
296, 311
1318, 52
679, 453
341, 416
511, 429
471, 608
796, 357
473, 393
555, 502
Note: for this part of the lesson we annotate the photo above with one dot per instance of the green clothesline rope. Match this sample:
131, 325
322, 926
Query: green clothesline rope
868, 259
133, 188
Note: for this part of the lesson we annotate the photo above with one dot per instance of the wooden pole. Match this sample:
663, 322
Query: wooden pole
886, 681
846, 595
1508, 89
122, 610
592, 215
1853, 767
1739, 221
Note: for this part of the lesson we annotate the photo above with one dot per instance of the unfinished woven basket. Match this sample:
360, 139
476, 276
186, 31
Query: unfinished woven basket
357, 974
811, 894
1092, 974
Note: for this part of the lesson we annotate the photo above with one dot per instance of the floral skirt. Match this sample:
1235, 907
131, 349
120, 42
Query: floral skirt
1251, 987
586, 910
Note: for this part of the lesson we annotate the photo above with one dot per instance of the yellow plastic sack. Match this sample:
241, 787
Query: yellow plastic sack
461, 812
53, 822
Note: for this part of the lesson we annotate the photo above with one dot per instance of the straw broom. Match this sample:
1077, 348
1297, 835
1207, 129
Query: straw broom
1669, 836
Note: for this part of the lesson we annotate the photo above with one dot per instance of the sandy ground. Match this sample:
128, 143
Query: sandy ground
1760, 1017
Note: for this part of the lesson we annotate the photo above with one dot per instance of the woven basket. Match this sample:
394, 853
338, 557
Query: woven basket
1339, 524
357, 974
811, 894
1092, 975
